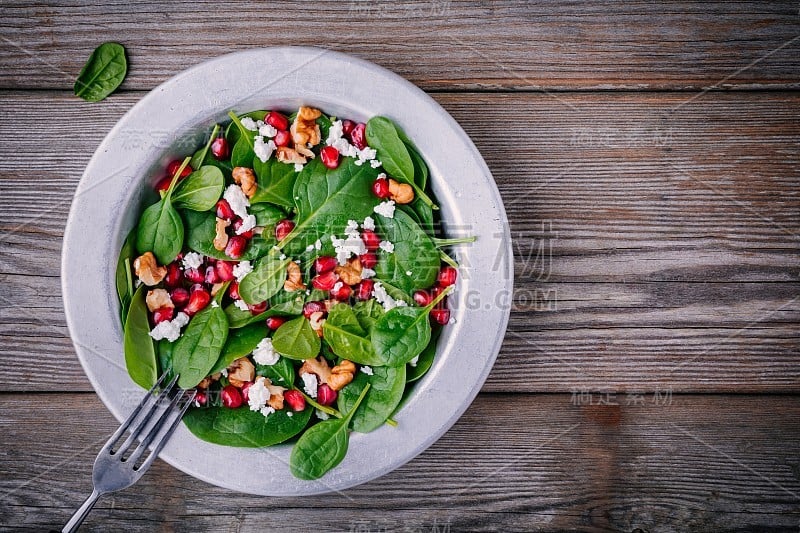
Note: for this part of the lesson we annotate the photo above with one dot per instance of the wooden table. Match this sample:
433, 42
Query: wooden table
649, 158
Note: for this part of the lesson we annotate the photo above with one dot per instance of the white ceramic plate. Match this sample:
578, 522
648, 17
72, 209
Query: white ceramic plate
118, 183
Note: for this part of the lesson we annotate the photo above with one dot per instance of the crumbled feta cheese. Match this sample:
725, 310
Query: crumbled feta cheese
387, 247
375, 163
192, 260
310, 384
240, 304
383, 298
170, 329
214, 304
248, 223
257, 395
352, 227
248, 123
263, 150
298, 167
408, 272
369, 223
351, 245
282, 257
289, 414
337, 286
266, 130
237, 200
322, 415
265, 354
318, 245
224, 372
385, 209
241, 269
367, 273
414, 361
367, 370
266, 411
335, 132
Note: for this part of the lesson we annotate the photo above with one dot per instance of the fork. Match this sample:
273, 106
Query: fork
113, 470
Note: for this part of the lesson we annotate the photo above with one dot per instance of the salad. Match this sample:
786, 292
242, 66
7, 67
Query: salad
291, 273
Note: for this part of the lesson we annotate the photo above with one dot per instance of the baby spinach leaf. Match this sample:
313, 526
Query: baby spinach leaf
140, 354
264, 281
200, 346
243, 153
123, 274
380, 402
244, 428
296, 340
200, 232
281, 373
275, 182
414, 252
102, 73
165, 349
266, 214
282, 304
200, 190
200, 156
392, 151
160, 231
425, 361
240, 342
347, 338
232, 131
322, 446
324, 124
368, 313
420, 168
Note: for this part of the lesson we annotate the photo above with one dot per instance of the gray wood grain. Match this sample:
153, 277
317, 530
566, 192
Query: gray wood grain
512, 463
439, 44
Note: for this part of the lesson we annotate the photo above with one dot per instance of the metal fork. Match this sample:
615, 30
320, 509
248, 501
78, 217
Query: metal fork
113, 469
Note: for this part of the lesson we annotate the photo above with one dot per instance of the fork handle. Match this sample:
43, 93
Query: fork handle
76, 520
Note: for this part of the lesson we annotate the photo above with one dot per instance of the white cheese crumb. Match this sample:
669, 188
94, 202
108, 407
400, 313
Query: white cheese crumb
248, 123
214, 304
383, 298
257, 395
266, 411
387, 247
369, 223
414, 361
408, 272
237, 200
322, 415
318, 245
265, 354
224, 372
310, 384
266, 130
337, 286
192, 260
282, 257
241, 269
367, 273
289, 414
385, 209
375, 163
298, 167
367, 370
263, 150
248, 223
170, 329
240, 304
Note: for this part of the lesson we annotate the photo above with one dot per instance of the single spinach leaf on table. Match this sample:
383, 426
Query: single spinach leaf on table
425, 360
140, 354
266, 279
414, 252
103, 72
123, 276
275, 182
240, 342
296, 340
281, 373
380, 402
200, 190
200, 346
323, 446
343, 332
200, 232
244, 428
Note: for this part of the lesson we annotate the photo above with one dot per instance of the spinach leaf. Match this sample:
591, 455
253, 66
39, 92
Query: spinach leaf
243, 152
165, 349
200, 346
160, 227
282, 304
200, 156
324, 124
200, 232
275, 182
281, 373
200, 190
266, 214
123, 276
140, 354
388, 384
425, 361
420, 168
232, 131
103, 72
327, 199
296, 340
240, 342
392, 151
322, 446
347, 338
414, 252
264, 281
244, 428
368, 313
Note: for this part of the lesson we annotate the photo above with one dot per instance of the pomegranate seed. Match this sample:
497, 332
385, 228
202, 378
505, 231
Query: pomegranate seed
237, 223
277, 121
329, 156
295, 400
211, 275
233, 291
245, 390
224, 210
231, 397
371, 240
179, 296
364, 289
201, 398
326, 281
163, 184
347, 126
380, 188
422, 298
197, 287
198, 300
173, 167
324, 263
174, 275
436, 291
359, 136
283, 228
282, 138
440, 316
447, 276
368, 260
235, 248
219, 148
162, 314
326, 395
313, 307
274, 322
194, 275
257, 309
210, 261
342, 293
225, 270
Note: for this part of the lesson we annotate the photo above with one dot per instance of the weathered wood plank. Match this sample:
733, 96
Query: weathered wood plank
438, 44
561, 462
611, 187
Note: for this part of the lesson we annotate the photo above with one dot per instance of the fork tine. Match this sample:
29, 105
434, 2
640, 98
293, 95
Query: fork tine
137, 453
139, 427
121, 431
165, 436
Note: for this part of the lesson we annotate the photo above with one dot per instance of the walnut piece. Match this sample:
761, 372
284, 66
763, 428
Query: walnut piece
401, 193
317, 321
294, 278
158, 299
341, 375
246, 178
208, 380
221, 239
215, 288
318, 366
305, 130
351, 272
284, 154
241, 371
146, 268
275, 394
